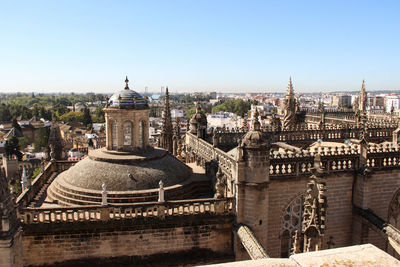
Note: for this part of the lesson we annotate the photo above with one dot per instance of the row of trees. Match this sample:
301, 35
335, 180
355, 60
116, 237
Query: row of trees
238, 106
9, 112
85, 117
50, 100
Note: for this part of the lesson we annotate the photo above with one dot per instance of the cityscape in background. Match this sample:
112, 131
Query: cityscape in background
199, 133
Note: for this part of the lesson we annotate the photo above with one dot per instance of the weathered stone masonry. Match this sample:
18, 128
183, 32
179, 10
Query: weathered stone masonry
51, 243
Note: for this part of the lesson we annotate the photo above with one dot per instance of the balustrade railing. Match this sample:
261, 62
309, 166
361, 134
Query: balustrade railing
28, 195
334, 159
128, 211
207, 152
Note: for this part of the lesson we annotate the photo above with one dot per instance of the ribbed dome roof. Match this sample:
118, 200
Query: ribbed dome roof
127, 99
146, 172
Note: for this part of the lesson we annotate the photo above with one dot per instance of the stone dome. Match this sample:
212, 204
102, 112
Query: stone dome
122, 172
127, 99
128, 178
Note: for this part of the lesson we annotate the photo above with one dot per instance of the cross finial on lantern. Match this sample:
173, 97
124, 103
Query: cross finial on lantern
126, 82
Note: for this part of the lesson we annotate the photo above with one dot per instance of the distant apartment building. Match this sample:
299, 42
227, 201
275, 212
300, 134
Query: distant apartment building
177, 113
376, 102
392, 101
223, 119
341, 101
213, 95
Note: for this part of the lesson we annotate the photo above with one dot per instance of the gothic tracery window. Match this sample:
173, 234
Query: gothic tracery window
291, 221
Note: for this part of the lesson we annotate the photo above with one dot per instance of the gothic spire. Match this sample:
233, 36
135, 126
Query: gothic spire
363, 98
289, 119
289, 90
166, 133
126, 83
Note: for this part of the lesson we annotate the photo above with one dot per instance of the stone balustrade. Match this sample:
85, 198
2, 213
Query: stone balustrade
28, 195
130, 211
291, 163
206, 152
335, 133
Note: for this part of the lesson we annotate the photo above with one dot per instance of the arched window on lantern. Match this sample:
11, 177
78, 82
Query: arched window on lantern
114, 136
141, 134
127, 133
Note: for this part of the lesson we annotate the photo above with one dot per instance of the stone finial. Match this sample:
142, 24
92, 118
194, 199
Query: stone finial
198, 107
25, 182
220, 184
215, 138
52, 152
161, 191
256, 126
126, 83
104, 192
244, 125
119, 100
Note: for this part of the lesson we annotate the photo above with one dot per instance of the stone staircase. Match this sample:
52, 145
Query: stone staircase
41, 195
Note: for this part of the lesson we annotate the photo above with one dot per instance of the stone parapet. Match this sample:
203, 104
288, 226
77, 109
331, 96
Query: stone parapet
32, 216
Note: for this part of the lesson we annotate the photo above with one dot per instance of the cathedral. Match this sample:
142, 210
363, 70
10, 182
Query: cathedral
310, 182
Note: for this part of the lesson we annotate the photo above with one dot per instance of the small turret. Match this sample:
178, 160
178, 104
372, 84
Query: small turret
256, 146
198, 122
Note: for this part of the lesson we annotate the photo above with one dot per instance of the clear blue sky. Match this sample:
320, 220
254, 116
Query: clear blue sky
237, 46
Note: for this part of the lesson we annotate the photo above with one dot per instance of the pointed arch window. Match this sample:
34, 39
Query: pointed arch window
291, 221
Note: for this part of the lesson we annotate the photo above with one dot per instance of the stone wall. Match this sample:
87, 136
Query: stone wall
342, 224
339, 212
381, 188
138, 239
10, 251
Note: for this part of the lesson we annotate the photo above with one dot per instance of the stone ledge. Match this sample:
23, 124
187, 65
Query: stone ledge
356, 256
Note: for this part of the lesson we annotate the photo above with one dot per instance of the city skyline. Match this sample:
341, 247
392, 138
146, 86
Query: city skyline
225, 46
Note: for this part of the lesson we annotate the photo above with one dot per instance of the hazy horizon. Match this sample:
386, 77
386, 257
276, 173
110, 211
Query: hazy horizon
236, 46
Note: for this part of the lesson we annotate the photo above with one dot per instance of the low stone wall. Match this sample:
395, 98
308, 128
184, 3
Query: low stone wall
132, 240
